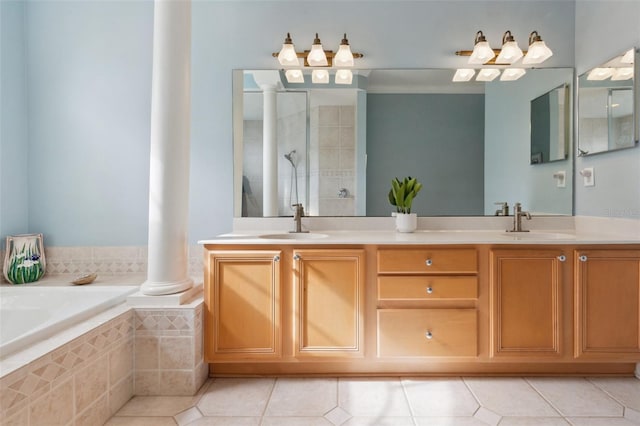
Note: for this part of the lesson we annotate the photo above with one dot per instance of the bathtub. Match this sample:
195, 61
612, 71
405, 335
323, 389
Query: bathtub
32, 314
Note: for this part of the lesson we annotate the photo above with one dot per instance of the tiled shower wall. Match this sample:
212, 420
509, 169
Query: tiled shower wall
85, 381
332, 163
108, 260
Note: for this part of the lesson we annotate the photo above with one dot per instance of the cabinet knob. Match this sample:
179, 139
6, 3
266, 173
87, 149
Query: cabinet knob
296, 257
562, 258
428, 335
428, 262
583, 258
276, 258
429, 290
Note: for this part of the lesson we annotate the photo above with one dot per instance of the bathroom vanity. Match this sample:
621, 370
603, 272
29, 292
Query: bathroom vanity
435, 302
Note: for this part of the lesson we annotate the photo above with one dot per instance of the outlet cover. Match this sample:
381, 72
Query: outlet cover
588, 176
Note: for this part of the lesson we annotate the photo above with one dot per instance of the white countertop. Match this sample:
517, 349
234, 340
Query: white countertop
321, 237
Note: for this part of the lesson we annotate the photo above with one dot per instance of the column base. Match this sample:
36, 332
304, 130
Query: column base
151, 288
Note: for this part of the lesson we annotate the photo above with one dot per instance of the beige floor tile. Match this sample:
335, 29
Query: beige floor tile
577, 397
509, 397
600, 421
295, 421
373, 397
227, 421
303, 397
156, 406
624, 389
379, 421
487, 416
449, 421
236, 397
533, 421
439, 398
141, 421
188, 416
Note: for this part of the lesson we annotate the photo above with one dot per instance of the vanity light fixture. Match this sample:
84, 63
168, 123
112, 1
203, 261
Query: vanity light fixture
628, 57
464, 74
510, 51
344, 57
625, 73
320, 76
512, 74
294, 76
287, 56
487, 74
598, 74
538, 51
482, 52
344, 77
317, 56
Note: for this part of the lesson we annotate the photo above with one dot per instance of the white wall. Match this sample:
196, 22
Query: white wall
605, 29
15, 180
89, 77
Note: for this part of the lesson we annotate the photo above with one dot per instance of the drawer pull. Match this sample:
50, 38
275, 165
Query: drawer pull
297, 257
429, 262
429, 290
583, 258
562, 258
428, 335
276, 258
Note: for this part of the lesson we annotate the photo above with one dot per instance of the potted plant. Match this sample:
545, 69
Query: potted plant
401, 196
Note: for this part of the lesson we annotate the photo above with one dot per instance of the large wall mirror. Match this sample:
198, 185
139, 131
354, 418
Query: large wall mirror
607, 104
335, 148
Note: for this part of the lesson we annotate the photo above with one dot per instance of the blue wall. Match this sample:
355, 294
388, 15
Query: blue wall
88, 74
437, 138
15, 181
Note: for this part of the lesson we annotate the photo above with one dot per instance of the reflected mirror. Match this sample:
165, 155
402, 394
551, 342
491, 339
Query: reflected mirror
606, 106
550, 126
335, 148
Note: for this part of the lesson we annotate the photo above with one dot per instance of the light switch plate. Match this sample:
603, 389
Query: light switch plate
588, 176
561, 178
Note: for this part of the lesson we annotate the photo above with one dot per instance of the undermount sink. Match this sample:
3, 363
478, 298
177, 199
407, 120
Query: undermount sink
536, 235
294, 236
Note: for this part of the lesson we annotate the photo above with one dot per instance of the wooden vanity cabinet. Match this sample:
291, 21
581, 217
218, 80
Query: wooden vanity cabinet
426, 302
607, 301
242, 295
526, 301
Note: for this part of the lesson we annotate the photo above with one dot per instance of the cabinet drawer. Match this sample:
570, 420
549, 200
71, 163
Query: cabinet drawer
427, 261
427, 332
427, 287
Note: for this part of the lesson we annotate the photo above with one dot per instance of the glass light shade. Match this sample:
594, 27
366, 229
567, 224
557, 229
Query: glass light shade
320, 76
317, 57
482, 53
625, 73
538, 52
464, 74
510, 53
628, 57
512, 74
344, 57
344, 77
287, 56
598, 74
487, 74
294, 76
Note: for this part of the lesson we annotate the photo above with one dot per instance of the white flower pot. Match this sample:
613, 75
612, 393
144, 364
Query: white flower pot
406, 222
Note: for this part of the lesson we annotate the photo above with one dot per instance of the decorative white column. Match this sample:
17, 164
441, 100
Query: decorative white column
269, 151
167, 271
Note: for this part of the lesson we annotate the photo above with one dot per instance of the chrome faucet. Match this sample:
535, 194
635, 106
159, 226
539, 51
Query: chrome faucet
503, 210
297, 218
517, 218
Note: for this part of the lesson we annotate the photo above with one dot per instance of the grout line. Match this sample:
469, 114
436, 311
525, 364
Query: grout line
548, 400
588, 379
273, 386
473, 395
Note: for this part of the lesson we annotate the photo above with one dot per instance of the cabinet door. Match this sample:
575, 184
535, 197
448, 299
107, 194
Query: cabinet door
607, 319
329, 302
526, 289
242, 292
